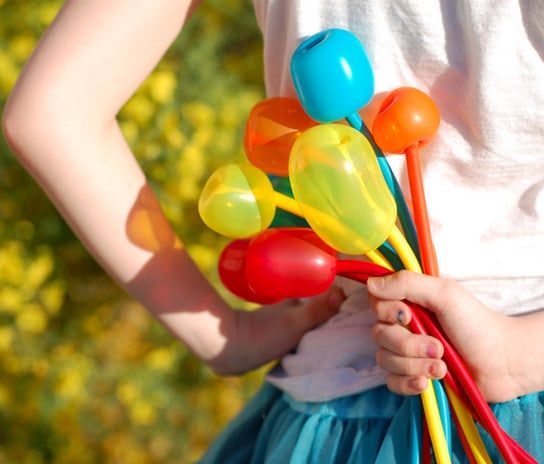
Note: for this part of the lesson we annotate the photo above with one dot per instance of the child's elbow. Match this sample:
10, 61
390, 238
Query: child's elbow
12, 126
32, 126
22, 126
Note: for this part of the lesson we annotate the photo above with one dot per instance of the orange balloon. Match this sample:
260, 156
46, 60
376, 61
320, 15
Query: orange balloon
408, 117
272, 127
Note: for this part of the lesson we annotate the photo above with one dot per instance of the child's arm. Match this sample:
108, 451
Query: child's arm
504, 354
61, 124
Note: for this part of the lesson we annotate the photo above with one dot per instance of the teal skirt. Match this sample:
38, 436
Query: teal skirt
376, 426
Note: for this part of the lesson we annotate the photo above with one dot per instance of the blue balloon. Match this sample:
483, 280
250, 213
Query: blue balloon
332, 75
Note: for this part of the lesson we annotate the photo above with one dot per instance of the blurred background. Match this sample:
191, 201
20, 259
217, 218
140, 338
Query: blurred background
86, 375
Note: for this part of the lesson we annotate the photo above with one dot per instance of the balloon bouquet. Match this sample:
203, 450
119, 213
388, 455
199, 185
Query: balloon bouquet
315, 187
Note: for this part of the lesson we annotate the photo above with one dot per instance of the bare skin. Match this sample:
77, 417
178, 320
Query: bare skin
505, 354
60, 122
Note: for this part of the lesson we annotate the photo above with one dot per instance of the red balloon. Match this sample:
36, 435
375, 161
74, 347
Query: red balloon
272, 127
408, 117
289, 263
232, 271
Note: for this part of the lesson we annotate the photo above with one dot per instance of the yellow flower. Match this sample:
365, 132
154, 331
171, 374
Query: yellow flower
204, 256
6, 338
174, 137
69, 384
188, 190
160, 359
72, 380
139, 108
142, 413
40, 268
226, 142
93, 324
11, 300
162, 85
130, 131
31, 319
52, 296
192, 163
230, 116
127, 392
21, 46
151, 150
198, 113
203, 136
48, 11
11, 260
168, 119
9, 73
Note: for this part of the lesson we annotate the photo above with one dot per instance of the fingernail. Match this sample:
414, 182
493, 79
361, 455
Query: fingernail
436, 370
401, 317
376, 282
431, 351
418, 384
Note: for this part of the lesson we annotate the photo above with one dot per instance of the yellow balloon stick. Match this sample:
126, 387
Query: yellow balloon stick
287, 203
479, 451
290, 205
466, 422
377, 258
428, 397
436, 429
403, 249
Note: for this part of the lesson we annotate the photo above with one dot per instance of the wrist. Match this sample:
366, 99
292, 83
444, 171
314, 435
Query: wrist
526, 353
516, 367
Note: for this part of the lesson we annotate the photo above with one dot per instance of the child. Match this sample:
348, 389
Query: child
327, 400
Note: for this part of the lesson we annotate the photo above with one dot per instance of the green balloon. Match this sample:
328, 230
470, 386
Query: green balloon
237, 201
340, 189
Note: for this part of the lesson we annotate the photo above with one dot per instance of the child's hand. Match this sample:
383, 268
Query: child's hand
263, 335
479, 334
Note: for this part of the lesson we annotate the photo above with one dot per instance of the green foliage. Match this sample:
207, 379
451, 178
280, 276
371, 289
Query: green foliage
87, 375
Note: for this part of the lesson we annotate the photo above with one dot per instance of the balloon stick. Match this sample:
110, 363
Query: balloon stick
344, 86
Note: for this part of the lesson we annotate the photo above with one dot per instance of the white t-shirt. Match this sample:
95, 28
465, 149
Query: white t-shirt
482, 62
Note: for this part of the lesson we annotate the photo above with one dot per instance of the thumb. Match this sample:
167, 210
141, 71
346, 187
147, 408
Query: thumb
421, 289
439, 295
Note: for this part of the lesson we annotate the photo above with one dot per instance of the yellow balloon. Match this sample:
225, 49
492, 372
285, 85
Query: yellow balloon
340, 189
237, 201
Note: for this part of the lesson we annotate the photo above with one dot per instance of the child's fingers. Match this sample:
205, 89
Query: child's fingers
410, 359
401, 342
404, 385
391, 311
315, 311
430, 292
258, 337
